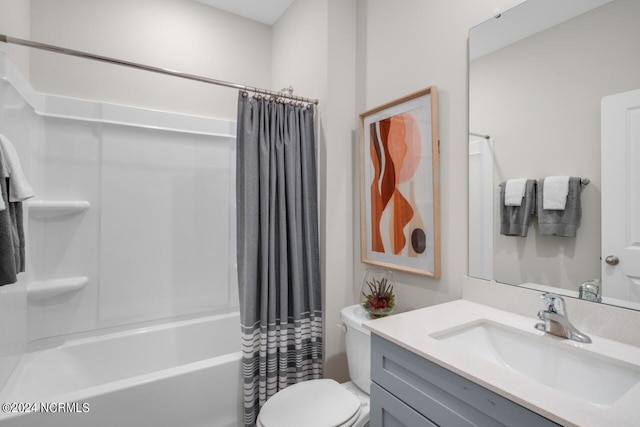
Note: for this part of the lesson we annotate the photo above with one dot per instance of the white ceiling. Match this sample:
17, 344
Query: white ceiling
265, 11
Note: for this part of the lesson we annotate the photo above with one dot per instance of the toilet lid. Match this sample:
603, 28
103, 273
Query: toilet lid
306, 404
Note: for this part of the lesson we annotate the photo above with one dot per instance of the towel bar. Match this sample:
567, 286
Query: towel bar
583, 181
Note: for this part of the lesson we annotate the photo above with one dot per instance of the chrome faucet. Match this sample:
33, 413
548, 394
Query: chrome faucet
590, 291
556, 321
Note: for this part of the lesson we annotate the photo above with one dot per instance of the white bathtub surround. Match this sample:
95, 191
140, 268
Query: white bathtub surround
278, 248
181, 373
50, 288
138, 202
13, 301
419, 332
56, 208
133, 226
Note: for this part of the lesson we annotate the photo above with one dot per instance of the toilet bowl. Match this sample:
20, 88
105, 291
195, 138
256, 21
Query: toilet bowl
325, 402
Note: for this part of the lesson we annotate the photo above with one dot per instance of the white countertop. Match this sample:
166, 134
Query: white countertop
412, 330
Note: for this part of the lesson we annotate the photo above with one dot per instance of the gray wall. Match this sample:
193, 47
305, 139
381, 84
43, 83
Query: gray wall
186, 36
15, 21
405, 46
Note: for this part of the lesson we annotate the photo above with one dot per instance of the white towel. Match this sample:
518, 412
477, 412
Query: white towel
556, 189
4, 174
5, 166
514, 191
19, 189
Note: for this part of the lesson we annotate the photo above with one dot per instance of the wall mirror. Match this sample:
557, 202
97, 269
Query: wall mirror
537, 77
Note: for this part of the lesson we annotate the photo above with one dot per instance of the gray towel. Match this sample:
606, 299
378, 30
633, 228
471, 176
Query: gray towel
561, 222
11, 234
18, 224
9, 240
514, 220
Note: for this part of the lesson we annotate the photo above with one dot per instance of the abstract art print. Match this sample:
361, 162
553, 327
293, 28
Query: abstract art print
399, 184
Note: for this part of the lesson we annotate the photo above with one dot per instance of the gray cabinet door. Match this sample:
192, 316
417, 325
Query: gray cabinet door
389, 411
445, 398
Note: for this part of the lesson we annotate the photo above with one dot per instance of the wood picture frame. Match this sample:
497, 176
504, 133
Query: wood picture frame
400, 186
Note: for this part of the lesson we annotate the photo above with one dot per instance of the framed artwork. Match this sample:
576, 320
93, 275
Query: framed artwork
399, 184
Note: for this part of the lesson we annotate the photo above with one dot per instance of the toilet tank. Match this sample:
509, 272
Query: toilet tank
358, 346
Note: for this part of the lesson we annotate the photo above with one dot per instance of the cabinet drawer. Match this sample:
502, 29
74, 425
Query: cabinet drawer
440, 394
388, 411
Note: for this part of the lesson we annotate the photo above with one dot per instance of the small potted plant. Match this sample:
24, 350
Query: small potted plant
377, 297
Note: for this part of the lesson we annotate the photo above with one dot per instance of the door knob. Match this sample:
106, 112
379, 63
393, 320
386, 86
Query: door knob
612, 260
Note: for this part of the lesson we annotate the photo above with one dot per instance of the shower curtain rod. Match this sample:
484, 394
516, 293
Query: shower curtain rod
480, 135
13, 40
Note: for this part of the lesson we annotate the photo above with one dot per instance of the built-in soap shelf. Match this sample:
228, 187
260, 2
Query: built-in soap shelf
49, 209
51, 288
45, 209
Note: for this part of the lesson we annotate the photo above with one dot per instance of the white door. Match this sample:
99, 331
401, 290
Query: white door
621, 196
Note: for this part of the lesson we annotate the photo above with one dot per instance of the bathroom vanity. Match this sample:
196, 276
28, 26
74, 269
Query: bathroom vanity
467, 364
403, 380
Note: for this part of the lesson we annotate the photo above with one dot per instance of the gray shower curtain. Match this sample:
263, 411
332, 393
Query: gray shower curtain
278, 250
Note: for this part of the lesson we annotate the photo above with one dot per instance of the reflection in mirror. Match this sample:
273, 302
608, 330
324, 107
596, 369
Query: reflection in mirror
535, 98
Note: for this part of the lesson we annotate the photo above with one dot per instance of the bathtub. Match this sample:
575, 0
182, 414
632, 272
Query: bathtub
185, 373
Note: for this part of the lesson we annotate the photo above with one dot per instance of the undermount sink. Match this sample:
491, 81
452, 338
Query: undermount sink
597, 379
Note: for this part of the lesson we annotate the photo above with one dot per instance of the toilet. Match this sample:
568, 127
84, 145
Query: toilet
324, 403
